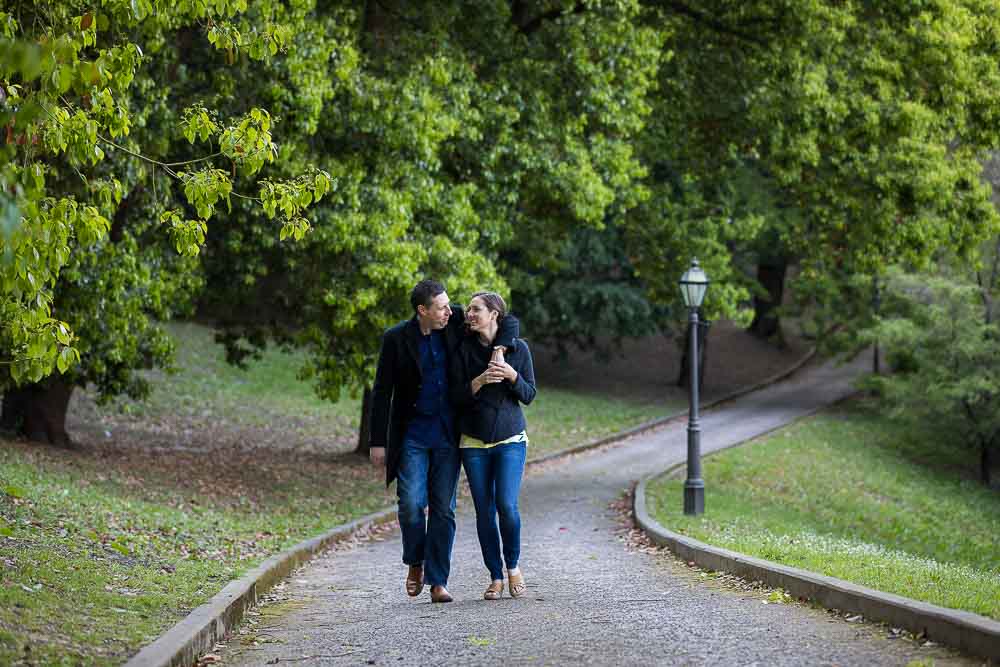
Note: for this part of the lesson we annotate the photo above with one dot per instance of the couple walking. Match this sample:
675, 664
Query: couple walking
448, 393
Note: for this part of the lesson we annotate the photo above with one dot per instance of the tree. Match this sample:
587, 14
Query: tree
112, 296
511, 129
945, 346
868, 121
460, 131
96, 179
469, 132
586, 296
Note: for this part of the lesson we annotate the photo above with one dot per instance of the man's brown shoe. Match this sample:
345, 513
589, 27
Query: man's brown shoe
440, 594
415, 580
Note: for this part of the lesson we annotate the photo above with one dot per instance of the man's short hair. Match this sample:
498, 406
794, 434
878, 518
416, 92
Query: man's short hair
424, 292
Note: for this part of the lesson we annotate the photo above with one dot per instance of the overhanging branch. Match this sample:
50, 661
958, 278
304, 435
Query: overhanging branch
710, 22
517, 10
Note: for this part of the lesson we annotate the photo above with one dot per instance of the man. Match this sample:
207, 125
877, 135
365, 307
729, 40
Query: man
414, 433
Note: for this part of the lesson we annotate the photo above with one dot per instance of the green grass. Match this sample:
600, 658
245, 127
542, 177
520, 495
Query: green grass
266, 393
852, 495
559, 418
269, 392
93, 568
103, 550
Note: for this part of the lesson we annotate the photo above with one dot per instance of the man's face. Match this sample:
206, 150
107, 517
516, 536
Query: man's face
436, 315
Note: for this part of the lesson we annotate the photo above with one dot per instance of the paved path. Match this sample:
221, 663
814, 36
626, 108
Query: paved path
591, 600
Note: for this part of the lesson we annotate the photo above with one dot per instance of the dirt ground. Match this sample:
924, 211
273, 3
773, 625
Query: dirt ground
647, 368
182, 453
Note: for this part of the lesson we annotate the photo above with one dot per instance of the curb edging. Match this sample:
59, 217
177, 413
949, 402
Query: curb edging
964, 630
198, 632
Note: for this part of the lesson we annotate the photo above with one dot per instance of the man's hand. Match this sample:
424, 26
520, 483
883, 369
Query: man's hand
377, 456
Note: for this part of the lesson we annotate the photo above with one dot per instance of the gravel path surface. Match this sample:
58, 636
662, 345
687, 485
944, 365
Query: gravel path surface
592, 598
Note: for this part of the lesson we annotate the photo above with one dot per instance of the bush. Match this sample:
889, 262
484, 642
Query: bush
949, 376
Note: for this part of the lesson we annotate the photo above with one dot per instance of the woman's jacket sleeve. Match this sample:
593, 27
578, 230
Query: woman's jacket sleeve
523, 387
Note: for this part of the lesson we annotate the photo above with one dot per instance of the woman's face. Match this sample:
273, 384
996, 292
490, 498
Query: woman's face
478, 316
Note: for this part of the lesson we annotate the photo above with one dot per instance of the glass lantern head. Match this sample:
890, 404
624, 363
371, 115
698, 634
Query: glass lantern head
694, 284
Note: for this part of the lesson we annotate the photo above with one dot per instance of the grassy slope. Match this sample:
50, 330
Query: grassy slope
97, 568
269, 392
852, 495
102, 551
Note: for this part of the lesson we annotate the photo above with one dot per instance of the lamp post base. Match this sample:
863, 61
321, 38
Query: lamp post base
694, 496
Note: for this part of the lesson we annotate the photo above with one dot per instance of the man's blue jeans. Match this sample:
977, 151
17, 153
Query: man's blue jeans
428, 478
495, 481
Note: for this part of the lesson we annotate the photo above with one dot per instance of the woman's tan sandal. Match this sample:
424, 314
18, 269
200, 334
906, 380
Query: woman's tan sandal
414, 581
516, 584
495, 591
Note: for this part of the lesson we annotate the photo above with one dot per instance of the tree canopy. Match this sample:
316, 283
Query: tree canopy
507, 144
461, 132
89, 122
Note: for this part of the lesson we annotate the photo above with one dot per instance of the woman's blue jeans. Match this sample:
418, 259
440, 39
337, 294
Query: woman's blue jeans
494, 477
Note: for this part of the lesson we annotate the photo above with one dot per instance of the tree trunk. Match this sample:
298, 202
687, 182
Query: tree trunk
684, 377
985, 463
771, 276
38, 411
365, 425
876, 309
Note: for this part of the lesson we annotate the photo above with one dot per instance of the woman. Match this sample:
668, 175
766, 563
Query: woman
488, 392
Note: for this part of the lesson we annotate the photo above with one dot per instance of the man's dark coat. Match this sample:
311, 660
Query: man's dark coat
398, 378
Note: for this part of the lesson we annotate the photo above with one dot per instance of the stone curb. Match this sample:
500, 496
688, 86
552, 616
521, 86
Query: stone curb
198, 632
660, 421
963, 630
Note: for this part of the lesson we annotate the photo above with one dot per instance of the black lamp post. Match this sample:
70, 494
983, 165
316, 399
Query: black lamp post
694, 284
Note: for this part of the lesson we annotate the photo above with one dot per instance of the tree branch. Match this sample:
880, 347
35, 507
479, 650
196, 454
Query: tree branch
117, 230
984, 294
518, 12
969, 412
995, 271
413, 23
994, 277
517, 9
710, 22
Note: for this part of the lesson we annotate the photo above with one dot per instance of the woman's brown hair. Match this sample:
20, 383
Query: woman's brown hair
494, 303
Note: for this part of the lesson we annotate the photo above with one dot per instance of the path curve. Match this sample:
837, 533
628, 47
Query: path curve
591, 600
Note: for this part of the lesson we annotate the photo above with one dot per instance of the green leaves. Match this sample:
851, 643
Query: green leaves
259, 44
90, 132
188, 235
62, 78
204, 188
295, 228
140, 9
292, 197
935, 332
67, 358
248, 142
474, 145
197, 123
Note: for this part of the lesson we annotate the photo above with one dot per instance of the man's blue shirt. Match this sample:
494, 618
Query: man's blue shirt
432, 422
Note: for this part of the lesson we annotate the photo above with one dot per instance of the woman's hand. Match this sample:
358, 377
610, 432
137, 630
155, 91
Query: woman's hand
506, 371
493, 374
